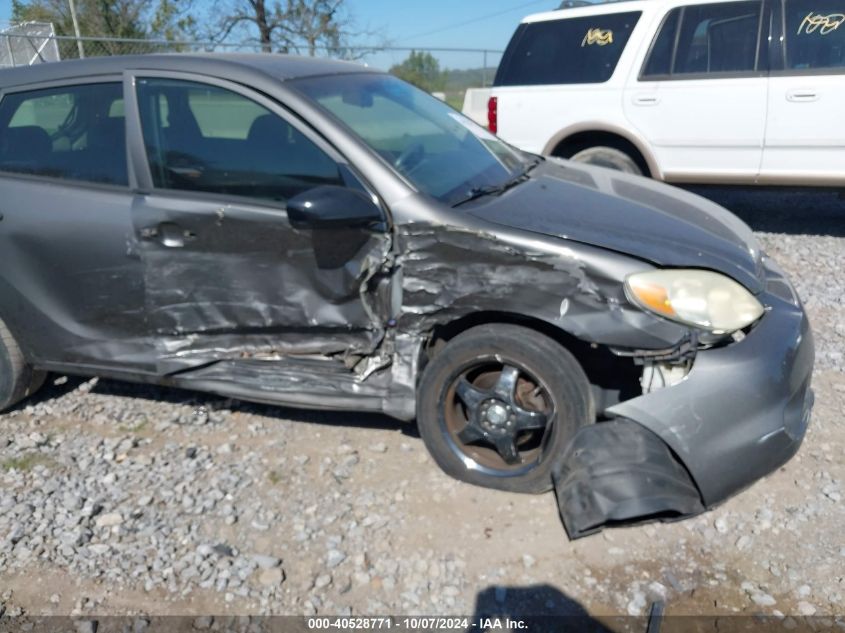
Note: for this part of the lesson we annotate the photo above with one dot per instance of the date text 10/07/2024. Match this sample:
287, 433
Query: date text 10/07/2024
415, 623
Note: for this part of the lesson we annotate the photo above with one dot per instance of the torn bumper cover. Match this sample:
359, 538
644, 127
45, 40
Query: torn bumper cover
617, 471
740, 414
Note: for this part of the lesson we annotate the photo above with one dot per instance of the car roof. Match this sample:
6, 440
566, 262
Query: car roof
235, 66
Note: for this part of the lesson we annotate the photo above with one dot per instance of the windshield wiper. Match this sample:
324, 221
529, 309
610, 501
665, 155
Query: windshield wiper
497, 190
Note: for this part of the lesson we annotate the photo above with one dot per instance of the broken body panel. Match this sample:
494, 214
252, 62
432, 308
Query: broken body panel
247, 306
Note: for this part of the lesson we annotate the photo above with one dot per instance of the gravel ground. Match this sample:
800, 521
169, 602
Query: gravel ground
118, 498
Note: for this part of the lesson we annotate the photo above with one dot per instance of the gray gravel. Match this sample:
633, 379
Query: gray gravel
123, 498
170, 493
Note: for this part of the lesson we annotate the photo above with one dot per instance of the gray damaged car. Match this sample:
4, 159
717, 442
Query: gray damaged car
317, 234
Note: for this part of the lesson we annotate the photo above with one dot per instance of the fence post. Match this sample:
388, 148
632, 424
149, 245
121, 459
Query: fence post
9, 48
79, 45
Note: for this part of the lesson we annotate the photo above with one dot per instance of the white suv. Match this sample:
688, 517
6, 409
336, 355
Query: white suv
727, 92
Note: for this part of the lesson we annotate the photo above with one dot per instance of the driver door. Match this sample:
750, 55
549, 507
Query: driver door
226, 276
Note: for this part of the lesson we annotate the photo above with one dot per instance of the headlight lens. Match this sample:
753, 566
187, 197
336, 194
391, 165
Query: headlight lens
696, 297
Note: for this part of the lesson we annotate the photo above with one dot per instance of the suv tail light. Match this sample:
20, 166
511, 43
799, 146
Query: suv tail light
493, 114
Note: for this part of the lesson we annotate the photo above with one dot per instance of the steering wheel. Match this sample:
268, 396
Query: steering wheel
410, 157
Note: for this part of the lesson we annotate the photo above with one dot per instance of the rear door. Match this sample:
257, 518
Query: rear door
226, 276
805, 138
700, 98
71, 282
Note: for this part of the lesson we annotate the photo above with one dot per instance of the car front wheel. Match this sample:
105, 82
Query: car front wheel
498, 405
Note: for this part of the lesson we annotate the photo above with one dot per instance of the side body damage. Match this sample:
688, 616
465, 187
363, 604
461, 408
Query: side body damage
439, 275
234, 313
431, 276
674, 458
226, 295
228, 319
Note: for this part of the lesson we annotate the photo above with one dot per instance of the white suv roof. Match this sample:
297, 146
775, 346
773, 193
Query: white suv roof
619, 6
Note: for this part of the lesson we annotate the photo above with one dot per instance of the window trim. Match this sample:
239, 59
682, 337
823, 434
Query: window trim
68, 83
779, 51
144, 174
761, 58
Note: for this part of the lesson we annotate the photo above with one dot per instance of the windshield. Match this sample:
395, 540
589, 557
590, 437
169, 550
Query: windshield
441, 152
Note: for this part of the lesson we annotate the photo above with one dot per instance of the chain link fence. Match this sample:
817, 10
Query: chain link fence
462, 68
28, 43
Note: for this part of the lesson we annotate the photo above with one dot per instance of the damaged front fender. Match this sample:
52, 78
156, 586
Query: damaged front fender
449, 272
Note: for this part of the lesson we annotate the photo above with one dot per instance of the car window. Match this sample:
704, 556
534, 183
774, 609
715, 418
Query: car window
442, 153
72, 133
204, 138
815, 34
707, 39
659, 60
571, 51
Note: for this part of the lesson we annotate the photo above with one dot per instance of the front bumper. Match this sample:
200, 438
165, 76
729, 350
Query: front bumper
742, 411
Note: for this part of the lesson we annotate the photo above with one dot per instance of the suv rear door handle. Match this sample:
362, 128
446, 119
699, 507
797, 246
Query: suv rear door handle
646, 100
802, 96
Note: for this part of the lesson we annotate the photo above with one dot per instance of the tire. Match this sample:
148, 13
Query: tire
479, 366
608, 157
18, 379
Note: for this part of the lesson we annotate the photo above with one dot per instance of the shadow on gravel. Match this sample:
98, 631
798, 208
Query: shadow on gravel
538, 607
183, 397
801, 212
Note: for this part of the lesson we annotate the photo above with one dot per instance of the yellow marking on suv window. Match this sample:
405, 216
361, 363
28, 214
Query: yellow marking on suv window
824, 24
597, 36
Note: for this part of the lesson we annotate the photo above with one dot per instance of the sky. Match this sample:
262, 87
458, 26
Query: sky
432, 23
478, 24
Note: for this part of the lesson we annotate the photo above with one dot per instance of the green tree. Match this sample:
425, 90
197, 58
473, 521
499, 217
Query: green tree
422, 70
111, 18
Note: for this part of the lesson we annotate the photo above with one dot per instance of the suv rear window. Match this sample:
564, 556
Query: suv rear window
571, 51
72, 133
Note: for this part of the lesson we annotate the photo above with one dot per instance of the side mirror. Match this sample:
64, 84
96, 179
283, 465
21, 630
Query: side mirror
332, 207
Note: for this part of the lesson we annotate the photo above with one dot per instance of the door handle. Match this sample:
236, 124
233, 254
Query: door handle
802, 96
169, 234
646, 100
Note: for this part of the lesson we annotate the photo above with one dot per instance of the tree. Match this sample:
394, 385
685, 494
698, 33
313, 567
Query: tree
111, 18
422, 70
294, 26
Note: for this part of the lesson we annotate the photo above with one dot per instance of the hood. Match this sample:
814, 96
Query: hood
628, 214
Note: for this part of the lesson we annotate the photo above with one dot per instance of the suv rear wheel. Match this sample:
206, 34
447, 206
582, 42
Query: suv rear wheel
498, 406
17, 378
608, 157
